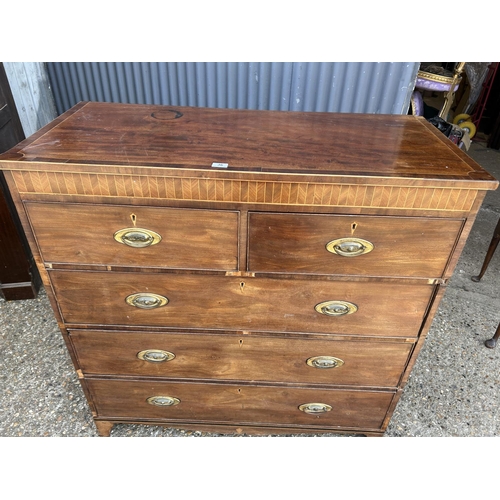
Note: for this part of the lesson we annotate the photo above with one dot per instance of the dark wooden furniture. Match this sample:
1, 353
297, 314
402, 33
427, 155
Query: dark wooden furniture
243, 271
19, 278
491, 343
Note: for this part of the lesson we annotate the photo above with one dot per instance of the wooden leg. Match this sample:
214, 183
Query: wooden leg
491, 343
489, 253
104, 428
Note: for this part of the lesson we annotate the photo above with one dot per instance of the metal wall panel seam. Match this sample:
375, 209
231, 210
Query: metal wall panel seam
361, 87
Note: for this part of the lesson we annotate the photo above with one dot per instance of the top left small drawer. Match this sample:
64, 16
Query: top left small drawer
122, 235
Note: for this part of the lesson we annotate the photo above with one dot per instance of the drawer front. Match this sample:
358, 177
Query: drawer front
229, 303
297, 243
161, 237
231, 357
239, 404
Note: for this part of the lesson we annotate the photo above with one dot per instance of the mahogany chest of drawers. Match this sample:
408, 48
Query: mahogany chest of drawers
243, 271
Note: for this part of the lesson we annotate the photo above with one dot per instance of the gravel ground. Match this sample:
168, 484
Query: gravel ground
454, 389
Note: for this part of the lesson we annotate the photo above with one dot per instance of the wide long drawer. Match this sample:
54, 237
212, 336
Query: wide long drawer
136, 236
230, 303
239, 404
232, 357
350, 245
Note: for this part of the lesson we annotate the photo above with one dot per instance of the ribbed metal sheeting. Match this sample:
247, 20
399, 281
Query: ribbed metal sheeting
346, 87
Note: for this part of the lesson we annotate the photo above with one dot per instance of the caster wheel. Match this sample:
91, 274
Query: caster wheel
463, 117
470, 127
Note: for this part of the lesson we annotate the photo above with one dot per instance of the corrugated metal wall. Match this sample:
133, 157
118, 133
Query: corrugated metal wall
353, 87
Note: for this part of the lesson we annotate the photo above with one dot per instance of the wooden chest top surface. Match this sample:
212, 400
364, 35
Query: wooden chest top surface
386, 146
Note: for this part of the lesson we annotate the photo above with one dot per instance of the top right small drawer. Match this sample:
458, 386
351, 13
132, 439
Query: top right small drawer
350, 245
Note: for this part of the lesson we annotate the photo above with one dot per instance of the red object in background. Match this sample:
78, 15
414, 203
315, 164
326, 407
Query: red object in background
483, 96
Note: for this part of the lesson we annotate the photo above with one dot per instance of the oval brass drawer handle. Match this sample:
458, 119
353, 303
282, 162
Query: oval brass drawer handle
146, 300
163, 401
349, 247
137, 237
324, 362
155, 355
336, 308
315, 408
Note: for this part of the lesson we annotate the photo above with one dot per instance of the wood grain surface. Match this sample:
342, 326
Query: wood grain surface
237, 357
232, 303
240, 404
265, 141
83, 234
242, 259
403, 246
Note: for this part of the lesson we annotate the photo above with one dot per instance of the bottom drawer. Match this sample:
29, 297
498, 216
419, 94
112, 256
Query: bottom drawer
239, 404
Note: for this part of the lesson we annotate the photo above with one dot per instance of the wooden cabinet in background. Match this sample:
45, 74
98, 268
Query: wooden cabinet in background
243, 271
19, 278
